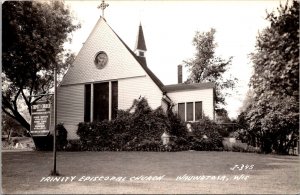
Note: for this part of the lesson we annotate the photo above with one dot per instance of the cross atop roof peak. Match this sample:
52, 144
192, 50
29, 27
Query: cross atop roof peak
102, 6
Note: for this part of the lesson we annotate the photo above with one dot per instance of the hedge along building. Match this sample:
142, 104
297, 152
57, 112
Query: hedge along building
107, 75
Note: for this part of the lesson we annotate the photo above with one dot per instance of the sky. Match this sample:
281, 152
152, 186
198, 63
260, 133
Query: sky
169, 28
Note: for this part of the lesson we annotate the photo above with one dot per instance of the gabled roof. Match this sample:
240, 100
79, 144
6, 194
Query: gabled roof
140, 42
148, 71
183, 86
161, 86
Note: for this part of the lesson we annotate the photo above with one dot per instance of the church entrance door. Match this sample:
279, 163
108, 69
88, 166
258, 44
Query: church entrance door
101, 101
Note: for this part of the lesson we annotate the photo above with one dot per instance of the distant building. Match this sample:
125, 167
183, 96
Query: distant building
107, 75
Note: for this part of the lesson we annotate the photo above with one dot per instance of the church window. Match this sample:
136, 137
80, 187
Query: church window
114, 104
189, 111
101, 101
198, 110
181, 111
87, 103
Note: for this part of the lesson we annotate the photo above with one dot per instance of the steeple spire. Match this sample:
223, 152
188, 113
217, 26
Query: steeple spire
140, 42
140, 46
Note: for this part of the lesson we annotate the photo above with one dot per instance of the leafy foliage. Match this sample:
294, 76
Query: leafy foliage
177, 127
140, 129
33, 37
12, 128
274, 113
222, 116
134, 129
61, 137
45, 143
207, 67
206, 135
146, 122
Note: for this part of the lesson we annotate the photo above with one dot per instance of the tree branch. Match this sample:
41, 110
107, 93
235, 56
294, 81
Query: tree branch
6, 103
32, 87
37, 99
16, 98
26, 101
7, 113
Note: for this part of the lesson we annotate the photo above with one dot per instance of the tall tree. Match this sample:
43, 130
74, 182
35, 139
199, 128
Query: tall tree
207, 67
274, 114
33, 37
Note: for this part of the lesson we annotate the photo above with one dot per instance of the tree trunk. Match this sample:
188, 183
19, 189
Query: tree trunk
22, 121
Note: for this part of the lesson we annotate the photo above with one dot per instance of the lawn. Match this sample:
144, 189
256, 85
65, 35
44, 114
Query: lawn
22, 173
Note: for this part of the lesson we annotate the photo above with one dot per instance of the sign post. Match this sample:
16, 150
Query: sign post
55, 121
40, 120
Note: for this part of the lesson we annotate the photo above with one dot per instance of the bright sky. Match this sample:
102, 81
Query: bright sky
169, 27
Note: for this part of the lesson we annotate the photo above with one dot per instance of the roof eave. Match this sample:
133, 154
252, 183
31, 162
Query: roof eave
147, 70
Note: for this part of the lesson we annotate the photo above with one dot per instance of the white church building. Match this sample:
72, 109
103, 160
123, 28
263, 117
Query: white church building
107, 75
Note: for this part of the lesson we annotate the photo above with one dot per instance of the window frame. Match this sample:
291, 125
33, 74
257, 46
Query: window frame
193, 110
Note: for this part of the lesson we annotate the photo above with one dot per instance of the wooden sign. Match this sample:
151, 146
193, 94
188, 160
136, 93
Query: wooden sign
40, 119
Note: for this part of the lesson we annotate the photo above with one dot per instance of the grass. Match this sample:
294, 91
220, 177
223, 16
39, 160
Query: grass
22, 172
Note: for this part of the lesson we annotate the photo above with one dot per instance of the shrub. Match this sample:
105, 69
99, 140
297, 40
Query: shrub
73, 145
177, 127
46, 143
61, 137
138, 128
95, 136
206, 135
43, 143
227, 145
147, 123
181, 144
202, 145
149, 145
223, 132
253, 149
239, 147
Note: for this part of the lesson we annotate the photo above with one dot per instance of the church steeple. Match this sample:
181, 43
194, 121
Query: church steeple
140, 42
140, 46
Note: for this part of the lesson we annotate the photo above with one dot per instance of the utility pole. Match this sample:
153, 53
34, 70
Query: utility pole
55, 121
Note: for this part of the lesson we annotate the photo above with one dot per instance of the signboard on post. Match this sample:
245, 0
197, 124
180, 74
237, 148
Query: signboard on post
40, 119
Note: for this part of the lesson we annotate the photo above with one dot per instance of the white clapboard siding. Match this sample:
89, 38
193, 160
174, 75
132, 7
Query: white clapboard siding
70, 108
133, 88
204, 95
71, 100
121, 63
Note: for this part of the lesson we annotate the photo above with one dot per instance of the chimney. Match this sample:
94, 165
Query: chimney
179, 73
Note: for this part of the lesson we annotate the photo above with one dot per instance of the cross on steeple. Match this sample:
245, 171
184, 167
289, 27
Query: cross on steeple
102, 6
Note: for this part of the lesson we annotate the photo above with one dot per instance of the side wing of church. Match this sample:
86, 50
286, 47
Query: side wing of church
107, 76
